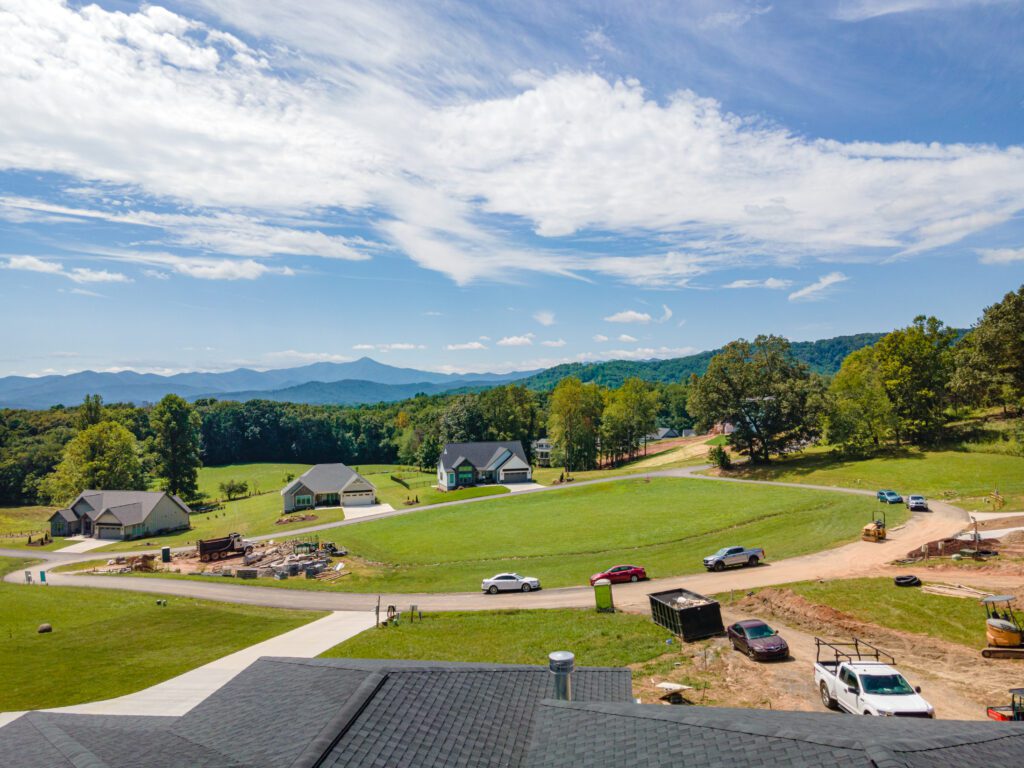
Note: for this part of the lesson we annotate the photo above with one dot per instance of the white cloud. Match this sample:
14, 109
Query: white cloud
600, 337
666, 314
817, 290
525, 340
544, 317
84, 292
77, 274
363, 346
648, 353
629, 316
625, 337
860, 10
398, 346
1000, 255
553, 343
156, 274
466, 346
771, 283
294, 356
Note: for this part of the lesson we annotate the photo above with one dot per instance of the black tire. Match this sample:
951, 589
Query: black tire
752, 654
248, 550
718, 566
907, 580
826, 698
753, 561
492, 590
527, 587
634, 578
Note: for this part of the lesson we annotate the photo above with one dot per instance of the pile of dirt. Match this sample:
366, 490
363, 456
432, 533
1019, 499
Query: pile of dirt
1013, 538
949, 547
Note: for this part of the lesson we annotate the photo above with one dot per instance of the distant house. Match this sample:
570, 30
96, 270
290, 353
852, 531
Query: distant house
542, 452
688, 433
464, 464
121, 515
662, 433
328, 485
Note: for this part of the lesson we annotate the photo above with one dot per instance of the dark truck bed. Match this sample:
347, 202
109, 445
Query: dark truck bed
687, 614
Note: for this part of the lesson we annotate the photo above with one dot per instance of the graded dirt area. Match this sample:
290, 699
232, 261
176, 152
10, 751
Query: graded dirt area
675, 449
954, 678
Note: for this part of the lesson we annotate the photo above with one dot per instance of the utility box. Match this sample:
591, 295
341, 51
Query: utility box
165, 555
603, 596
687, 614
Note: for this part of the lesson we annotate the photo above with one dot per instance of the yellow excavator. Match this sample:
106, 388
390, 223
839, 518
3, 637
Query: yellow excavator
1002, 629
874, 531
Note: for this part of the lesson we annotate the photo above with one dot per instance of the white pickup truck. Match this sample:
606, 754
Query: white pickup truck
727, 557
860, 679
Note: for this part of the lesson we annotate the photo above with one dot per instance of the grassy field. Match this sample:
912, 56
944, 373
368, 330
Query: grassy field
423, 489
877, 601
109, 643
965, 478
260, 477
22, 521
670, 459
513, 637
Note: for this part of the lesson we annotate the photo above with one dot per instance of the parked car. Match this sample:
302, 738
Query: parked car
756, 639
917, 503
862, 680
727, 557
889, 497
509, 582
620, 573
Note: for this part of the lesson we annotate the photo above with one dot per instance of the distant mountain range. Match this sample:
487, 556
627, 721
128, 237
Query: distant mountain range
368, 381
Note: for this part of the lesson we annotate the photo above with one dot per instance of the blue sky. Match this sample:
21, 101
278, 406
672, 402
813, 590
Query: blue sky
470, 186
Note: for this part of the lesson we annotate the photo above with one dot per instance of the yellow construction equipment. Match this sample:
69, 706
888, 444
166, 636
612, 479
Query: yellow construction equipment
874, 531
1002, 629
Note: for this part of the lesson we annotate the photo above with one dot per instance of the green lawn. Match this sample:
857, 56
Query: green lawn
878, 601
653, 463
423, 487
260, 477
23, 521
965, 478
108, 643
513, 637
252, 516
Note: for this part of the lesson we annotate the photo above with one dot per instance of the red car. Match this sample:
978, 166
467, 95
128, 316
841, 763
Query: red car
620, 573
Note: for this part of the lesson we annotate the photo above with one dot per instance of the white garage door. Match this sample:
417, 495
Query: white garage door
357, 499
108, 532
514, 476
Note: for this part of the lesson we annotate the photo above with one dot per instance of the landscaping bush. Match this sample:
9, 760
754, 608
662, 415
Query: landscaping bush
719, 456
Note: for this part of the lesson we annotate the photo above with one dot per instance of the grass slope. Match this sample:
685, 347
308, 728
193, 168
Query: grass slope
106, 643
260, 477
21, 521
513, 637
963, 477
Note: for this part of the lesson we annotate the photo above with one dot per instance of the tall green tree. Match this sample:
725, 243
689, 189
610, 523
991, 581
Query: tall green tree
672, 406
916, 363
176, 442
859, 415
989, 361
771, 400
462, 421
630, 415
574, 423
90, 411
510, 413
102, 457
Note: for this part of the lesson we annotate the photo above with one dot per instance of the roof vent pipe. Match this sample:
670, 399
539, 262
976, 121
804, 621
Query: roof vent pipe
562, 664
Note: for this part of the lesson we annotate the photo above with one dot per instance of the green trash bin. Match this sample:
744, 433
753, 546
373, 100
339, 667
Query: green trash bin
165, 555
603, 596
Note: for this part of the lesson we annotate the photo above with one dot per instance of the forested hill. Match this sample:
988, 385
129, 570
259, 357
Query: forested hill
823, 356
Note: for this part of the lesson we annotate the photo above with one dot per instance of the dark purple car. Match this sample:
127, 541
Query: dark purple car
756, 639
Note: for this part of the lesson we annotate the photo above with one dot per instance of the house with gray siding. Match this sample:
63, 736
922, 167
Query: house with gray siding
121, 515
466, 464
328, 485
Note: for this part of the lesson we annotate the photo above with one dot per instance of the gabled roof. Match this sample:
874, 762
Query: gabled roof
129, 507
482, 455
325, 478
66, 514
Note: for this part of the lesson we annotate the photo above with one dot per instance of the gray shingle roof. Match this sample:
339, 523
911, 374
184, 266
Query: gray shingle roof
481, 454
129, 507
325, 478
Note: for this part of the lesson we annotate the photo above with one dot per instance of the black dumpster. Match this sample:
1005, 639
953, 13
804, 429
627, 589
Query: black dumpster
687, 614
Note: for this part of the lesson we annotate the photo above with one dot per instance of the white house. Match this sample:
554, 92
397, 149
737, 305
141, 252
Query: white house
328, 485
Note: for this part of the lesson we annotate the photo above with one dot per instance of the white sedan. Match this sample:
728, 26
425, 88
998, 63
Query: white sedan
509, 582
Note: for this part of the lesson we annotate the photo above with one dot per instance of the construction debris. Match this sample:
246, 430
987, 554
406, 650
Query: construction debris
943, 547
955, 590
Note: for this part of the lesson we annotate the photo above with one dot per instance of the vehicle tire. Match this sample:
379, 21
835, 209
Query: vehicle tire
248, 550
634, 578
751, 654
718, 566
753, 561
527, 587
492, 590
907, 580
826, 698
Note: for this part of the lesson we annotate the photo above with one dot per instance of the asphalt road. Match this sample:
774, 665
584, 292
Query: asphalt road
858, 558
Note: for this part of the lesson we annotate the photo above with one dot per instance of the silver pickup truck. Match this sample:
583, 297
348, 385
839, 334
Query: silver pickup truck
727, 557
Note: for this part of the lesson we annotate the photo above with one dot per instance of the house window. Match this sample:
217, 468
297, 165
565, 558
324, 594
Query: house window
451, 478
304, 500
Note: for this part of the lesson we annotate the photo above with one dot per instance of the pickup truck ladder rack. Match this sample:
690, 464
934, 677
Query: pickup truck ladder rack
856, 650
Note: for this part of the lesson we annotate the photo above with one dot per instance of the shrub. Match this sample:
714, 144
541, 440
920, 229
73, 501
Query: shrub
719, 456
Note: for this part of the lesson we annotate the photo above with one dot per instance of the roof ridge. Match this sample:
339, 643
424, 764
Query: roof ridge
72, 749
334, 730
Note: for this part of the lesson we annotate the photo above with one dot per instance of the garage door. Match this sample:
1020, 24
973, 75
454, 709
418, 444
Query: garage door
514, 476
357, 499
108, 532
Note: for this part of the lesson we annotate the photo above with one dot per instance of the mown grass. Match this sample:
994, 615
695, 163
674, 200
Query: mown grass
423, 489
261, 477
513, 637
965, 478
644, 464
109, 643
23, 521
878, 601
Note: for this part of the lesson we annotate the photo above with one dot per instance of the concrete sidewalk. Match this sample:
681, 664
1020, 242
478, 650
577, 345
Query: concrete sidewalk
180, 694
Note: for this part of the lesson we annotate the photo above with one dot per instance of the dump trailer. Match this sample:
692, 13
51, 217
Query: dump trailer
225, 546
687, 614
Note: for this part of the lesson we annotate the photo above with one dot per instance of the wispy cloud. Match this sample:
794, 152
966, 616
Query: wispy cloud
861, 10
469, 345
600, 337
629, 316
1000, 255
553, 343
626, 338
294, 356
525, 340
544, 317
771, 283
399, 346
817, 290
76, 274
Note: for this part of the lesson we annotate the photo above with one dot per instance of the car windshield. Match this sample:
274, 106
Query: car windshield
758, 631
723, 551
885, 685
